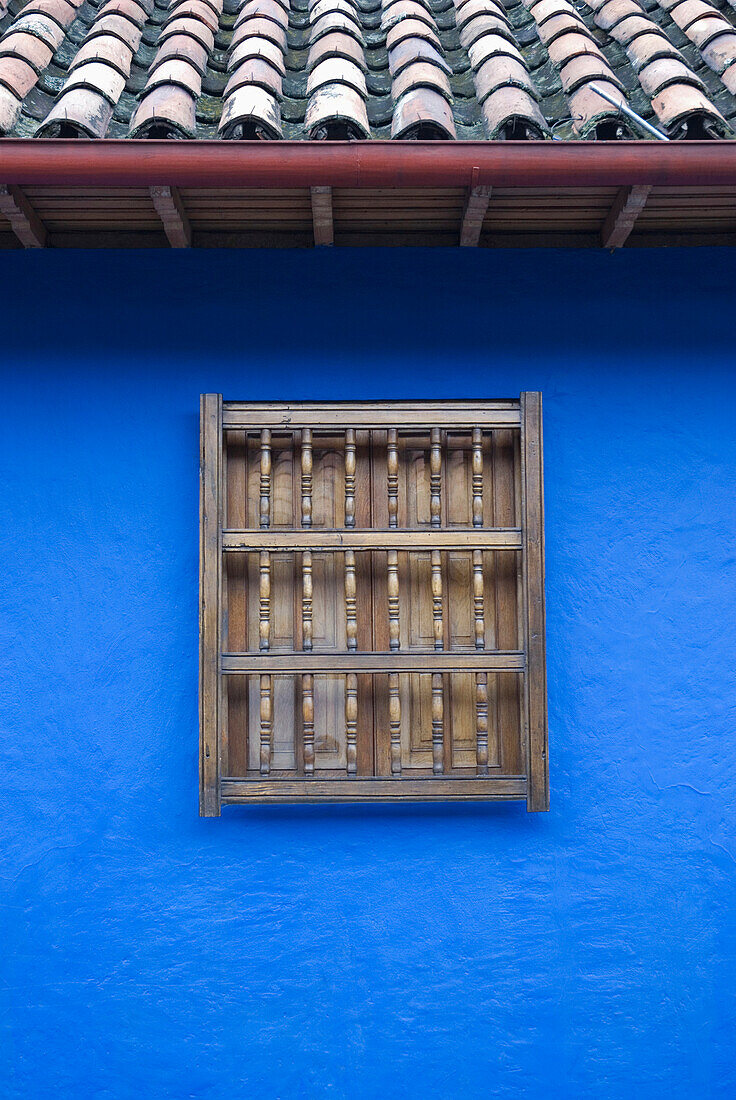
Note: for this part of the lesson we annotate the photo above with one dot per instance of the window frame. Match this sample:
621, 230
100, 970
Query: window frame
217, 417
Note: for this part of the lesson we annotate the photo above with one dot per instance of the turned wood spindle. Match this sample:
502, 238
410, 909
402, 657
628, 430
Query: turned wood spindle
307, 477
393, 600
394, 720
477, 477
266, 724
264, 612
435, 470
308, 721
351, 722
438, 723
478, 594
307, 599
350, 477
265, 506
393, 477
351, 621
437, 599
481, 722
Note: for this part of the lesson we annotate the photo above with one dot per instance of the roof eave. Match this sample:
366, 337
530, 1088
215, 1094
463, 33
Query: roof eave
371, 164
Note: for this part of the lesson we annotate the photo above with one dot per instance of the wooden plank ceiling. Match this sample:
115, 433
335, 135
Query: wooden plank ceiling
161, 217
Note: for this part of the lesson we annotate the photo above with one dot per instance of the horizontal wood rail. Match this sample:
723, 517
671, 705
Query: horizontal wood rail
358, 789
419, 416
413, 661
470, 538
370, 164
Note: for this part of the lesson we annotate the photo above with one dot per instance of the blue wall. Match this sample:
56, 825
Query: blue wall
362, 952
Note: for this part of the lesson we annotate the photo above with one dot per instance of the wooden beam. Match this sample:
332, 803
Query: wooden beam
535, 677
476, 206
456, 538
322, 216
419, 415
359, 789
210, 618
273, 664
170, 210
622, 216
24, 221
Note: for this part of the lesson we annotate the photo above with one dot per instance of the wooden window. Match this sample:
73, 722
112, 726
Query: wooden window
372, 602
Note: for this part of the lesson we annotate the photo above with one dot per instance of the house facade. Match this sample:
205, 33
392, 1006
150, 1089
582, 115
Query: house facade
459, 950
194, 197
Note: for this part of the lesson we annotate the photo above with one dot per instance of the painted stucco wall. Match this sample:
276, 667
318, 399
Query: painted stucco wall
363, 952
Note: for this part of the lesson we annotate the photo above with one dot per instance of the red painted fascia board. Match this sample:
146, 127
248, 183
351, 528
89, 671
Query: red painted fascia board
415, 164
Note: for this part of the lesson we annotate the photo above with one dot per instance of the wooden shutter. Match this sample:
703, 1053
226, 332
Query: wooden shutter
372, 602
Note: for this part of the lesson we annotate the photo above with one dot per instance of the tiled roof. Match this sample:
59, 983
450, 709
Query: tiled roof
359, 69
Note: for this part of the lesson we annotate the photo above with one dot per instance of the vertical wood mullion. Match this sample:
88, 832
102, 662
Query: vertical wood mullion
351, 722
392, 476
264, 601
306, 481
479, 600
308, 722
264, 612
307, 600
307, 685
435, 477
364, 505
266, 723
443, 628
350, 477
477, 466
481, 723
394, 711
438, 680
438, 723
437, 616
265, 480
210, 622
535, 680
393, 600
351, 612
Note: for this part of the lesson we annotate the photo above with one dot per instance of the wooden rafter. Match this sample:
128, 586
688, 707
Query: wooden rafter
24, 221
170, 210
627, 206
476, 205
322, 215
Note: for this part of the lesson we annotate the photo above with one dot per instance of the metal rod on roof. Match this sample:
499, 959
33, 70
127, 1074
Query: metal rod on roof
626, 110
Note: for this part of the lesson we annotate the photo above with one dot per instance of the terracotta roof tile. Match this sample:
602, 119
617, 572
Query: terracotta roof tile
26, 47
650, 47
336, 44
181, 46
361, 69
679, 96
10, 108
411, 50
335, 106
512, 110
720, 53
63, 12
41, 26
257, 47
411, 28
422, 113
252, 94
104, 47
18, 76
80, 111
